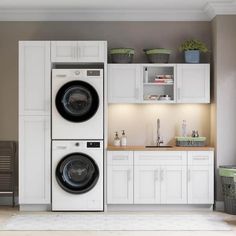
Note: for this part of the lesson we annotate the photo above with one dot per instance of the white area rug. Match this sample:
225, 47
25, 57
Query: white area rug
108, 221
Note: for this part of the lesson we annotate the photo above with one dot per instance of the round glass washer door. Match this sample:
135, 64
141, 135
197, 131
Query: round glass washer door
77, 173
77, 101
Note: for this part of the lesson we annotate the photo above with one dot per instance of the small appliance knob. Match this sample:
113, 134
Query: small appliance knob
77, 144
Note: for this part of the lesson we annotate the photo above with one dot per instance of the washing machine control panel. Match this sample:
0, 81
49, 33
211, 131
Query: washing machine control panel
93, 144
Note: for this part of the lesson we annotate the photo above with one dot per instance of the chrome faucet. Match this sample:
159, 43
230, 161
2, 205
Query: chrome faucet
159, 141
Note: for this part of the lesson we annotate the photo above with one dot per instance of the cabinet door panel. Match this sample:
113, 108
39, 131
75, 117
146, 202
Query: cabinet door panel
64, 51
200, 185
147, 184
120, 185
34, 78
124, 83
173, 185
193, 83
34, 160
91, 51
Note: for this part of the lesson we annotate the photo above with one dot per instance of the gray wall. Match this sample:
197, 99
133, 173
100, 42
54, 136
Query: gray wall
138, 35
224, 106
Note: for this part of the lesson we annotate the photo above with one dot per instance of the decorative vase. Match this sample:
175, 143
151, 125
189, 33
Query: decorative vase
192, 56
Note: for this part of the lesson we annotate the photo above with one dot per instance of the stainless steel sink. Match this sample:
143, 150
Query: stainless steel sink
158, 146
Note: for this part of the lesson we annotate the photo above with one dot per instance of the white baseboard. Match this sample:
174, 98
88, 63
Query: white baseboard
219, 205
170, 207
35, 207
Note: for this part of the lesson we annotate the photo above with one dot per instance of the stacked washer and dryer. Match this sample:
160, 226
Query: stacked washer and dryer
77, 139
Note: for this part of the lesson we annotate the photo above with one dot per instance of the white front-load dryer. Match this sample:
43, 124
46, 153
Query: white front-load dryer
77, 104
77, 175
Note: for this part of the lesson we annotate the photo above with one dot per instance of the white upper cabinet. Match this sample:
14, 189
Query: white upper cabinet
158, 83
124, 83
78, 51
34, 77
193, 83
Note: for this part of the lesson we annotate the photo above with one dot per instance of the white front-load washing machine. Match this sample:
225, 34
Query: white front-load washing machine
77, 175
77, 104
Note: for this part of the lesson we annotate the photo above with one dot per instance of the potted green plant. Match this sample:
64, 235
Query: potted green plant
192, 49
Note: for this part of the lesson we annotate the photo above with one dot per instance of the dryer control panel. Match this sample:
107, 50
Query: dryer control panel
93, 144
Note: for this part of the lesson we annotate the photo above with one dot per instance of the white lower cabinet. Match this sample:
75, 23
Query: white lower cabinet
160, 177
173, 185
200, 185
120, 185
160, 184
34, 160
147, 185
120, 177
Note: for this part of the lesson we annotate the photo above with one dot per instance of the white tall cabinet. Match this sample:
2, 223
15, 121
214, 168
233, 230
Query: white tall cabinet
34, 123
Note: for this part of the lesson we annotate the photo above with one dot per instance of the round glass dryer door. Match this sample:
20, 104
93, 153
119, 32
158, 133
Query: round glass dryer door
77, 173
77, 101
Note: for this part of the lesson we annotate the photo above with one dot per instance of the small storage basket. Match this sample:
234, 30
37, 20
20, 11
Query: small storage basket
228, 179
122, 55
158, 55
191, 141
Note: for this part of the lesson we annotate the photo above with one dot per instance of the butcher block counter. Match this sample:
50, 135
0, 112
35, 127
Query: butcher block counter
173, 148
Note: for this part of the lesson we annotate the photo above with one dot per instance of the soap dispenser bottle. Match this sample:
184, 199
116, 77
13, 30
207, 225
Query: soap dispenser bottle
123, 139
116, 141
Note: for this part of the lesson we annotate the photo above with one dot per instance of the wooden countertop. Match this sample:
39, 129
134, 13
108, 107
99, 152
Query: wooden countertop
174, 148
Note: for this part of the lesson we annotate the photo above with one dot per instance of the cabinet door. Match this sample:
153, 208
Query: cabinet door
34, 160
193, 83
120, 185
91, 51
64, 51
34, 77
173, 185
200, 185
147, 184
124, 83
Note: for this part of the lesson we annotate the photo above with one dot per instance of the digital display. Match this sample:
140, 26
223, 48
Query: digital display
93, 72
93, 144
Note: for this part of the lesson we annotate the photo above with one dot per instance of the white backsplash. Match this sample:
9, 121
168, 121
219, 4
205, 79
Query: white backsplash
140, 121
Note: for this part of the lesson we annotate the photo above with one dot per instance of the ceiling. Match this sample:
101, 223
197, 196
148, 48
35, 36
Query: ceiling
115, 10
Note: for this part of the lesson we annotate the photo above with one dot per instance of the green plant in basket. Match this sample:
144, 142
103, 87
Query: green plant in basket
193, 44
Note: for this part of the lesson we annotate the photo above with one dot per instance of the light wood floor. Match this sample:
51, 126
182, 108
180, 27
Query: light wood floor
7, 212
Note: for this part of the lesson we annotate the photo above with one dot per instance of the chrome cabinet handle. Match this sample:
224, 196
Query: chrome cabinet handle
137, 93
156, 175
162, 175
178, 93
129, 175
189, 173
